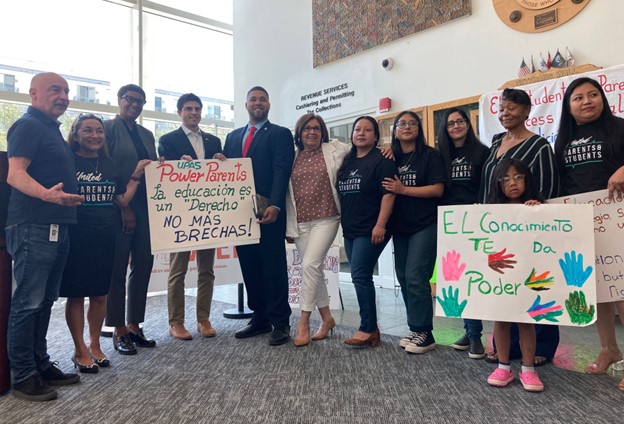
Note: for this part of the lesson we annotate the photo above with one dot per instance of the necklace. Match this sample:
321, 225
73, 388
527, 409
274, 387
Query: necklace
406, 163
97, 163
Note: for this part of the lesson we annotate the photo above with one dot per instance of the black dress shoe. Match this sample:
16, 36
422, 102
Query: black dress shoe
279, 336
92, 368
140, 340
251, 330
124, 345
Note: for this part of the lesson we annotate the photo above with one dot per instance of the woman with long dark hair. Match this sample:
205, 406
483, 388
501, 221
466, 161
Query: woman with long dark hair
590, 154
92, 240
464, 156
366, 207
419, 187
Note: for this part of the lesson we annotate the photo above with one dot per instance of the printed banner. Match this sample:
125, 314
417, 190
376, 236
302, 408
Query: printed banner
227, 271
546, 99
608, 233
517, 263
200, 204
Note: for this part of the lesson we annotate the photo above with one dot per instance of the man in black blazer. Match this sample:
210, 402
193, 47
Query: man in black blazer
271, 149
190, 143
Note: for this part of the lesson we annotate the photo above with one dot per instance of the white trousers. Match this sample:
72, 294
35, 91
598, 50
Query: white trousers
315, 239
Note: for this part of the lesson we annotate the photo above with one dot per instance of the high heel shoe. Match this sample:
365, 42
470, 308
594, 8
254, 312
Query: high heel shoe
87, 369
102, 363
373, 340
596, 369
324, 330
303, 335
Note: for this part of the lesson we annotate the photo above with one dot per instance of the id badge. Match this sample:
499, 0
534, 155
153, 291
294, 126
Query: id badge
54, 232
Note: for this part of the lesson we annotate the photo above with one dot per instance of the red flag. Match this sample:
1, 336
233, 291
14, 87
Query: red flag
549, 61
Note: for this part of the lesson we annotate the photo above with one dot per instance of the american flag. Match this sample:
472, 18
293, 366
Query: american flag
524, 69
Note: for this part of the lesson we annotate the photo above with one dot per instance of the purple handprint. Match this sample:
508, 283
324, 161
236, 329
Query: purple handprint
451, 268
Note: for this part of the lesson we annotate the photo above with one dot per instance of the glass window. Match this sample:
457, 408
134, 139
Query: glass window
219, 10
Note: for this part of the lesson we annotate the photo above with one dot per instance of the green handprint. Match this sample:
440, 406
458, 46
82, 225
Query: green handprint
450, 304
578, 310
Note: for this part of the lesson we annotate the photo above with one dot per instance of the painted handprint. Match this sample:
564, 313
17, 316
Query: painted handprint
450, 304
548, 311
539, 282
578, 310
499, 261
451, 268
573, 271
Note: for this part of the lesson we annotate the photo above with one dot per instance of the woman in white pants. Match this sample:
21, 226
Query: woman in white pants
313, 217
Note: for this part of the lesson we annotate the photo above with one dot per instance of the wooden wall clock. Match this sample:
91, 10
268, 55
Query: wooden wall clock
537, 15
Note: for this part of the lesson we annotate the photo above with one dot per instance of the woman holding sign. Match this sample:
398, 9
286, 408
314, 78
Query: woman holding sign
313, 217
366, 207
464, 156
419, 186
517, 142
590, 154
92, 239
535, 152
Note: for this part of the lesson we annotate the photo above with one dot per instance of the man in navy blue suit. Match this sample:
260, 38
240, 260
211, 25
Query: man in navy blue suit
271, 149
190, 143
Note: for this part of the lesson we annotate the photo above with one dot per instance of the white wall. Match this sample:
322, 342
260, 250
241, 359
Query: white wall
470, 56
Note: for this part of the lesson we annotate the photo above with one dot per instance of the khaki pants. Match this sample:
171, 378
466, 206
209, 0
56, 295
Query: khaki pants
205, 283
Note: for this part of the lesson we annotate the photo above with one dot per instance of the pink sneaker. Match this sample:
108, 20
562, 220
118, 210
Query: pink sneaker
500, 377
531, 381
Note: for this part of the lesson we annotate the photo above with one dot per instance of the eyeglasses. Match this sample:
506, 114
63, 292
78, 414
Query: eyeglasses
411, 124
460, 122
131, 99
310, 129
517, 177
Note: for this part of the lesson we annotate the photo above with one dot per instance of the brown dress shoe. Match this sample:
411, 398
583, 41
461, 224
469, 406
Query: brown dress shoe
205, 329
177, 331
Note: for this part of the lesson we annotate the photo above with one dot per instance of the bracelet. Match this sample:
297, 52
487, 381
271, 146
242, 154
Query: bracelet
381, 226
137, 179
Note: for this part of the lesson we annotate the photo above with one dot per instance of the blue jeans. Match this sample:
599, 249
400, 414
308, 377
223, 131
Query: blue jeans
363, 255
473, 327
38, 268
414, 259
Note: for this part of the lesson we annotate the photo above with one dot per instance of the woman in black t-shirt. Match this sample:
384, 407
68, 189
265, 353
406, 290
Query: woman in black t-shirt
91, 241
590, 154
419, 187
365, 209
464, 156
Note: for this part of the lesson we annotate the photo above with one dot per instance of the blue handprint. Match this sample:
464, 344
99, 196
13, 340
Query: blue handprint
573, 271
450, 304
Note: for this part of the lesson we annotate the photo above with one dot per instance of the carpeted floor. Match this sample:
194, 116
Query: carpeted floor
225, 380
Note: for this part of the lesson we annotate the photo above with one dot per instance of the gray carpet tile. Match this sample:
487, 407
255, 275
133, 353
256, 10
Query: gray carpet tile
226, 380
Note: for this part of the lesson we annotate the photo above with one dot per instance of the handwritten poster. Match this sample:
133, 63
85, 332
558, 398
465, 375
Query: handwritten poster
608, 234
200, 204
331, 268
546, 100
517, 263
227, 271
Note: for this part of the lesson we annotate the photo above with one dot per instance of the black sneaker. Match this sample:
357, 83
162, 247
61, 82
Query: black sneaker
55, 377
407, 339
476, 349
140, 340
422, 342
34, 389
463, 343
